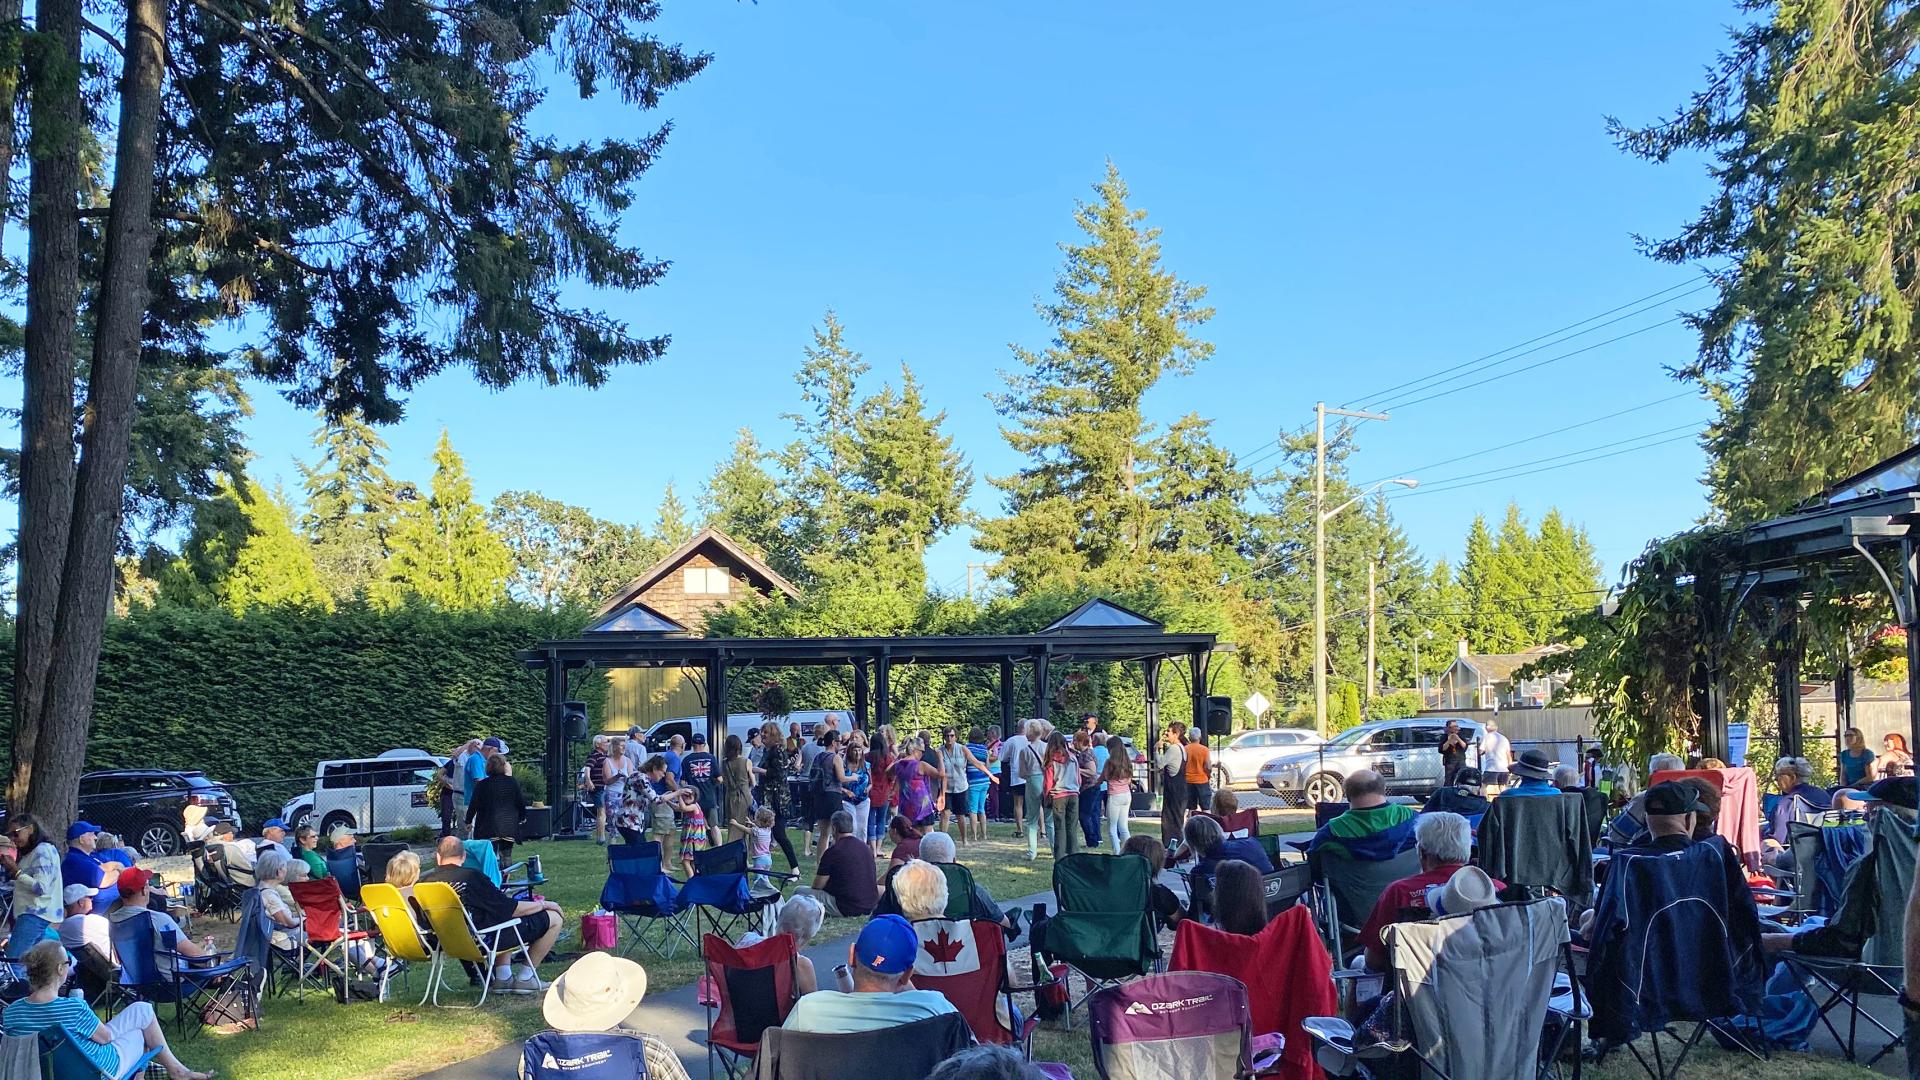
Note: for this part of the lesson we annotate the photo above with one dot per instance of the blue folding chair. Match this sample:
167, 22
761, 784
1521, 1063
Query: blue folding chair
152, 971
720, 886
646, 899
584, 1055
62, 1059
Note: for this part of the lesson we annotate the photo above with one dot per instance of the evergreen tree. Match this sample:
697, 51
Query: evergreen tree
670, 525
441, 550
824, 454
1197, 498
908, 489
351, 505
1520, 588
563, 554
1078, 507
242, 553
1810, 352
744, 501
1569, 575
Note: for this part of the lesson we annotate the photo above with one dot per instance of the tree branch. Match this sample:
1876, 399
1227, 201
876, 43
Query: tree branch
272, 247
101, 33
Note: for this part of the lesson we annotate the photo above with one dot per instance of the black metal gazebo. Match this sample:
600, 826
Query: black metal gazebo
1097, 631
1851, 527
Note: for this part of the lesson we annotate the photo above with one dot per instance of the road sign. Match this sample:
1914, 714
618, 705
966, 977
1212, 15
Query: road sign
1257, 704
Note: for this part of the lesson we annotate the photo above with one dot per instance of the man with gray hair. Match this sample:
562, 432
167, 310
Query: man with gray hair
1445, 843
1629, 826
937, 849
1799, 800
921, 890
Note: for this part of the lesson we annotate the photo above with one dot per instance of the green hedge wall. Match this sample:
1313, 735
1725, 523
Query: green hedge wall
267, 694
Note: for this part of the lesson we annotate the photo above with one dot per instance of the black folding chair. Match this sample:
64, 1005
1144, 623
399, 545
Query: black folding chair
1845, 982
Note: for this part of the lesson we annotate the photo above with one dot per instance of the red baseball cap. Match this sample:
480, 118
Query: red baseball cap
133, 880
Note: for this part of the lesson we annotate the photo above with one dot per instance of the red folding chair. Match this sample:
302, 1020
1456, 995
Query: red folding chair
1240, 823
966, 962
327, 933
752, 990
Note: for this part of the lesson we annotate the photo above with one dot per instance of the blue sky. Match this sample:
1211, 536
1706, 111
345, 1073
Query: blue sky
1369, 192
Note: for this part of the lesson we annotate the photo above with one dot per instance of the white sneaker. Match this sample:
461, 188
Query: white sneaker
530, 984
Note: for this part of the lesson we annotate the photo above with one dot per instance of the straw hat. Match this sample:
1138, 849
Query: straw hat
598, 992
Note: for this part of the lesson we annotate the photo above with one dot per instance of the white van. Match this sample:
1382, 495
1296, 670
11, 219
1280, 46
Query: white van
377, 794
737, 724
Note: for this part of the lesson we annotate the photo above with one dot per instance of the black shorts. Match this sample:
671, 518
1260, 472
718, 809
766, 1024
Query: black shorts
535, 926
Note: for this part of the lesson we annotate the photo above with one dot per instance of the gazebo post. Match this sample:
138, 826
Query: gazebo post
1910, 561
1040, 660
882, 691
1787, 646
860, 703
1197, 682
717, 700
1006, 699
556, 734
1842, 706
1151, 670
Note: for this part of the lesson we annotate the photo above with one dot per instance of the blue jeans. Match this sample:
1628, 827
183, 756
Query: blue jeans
1093, 799
28, 931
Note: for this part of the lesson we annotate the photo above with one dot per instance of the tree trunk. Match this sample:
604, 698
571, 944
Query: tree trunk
86, 588
10, 12
53, 298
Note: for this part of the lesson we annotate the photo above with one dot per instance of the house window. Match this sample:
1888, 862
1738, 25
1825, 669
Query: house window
704, 581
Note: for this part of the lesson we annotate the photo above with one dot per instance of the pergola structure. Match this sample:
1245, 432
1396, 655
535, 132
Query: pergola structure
1853, 526
1098, 631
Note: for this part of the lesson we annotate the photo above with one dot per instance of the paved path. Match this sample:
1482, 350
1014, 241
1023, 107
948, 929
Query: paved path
674, 1016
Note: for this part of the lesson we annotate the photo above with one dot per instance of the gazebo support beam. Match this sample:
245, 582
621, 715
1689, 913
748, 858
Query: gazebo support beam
717, 701
861, 706
1151, 672
556, 736
1787, 648
1910, 559
1041, 660
882, 691
1006, 699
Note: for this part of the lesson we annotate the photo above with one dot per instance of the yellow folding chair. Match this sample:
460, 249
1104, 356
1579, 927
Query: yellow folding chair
461, 940
393, 917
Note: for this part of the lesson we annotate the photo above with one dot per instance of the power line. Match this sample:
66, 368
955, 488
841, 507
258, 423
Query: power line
1536, 365
1535, 438
1544, 468
1379, 394
1443, 481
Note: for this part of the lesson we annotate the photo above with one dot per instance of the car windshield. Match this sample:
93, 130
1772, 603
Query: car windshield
199, 780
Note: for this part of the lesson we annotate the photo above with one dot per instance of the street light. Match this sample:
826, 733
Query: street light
1320, 519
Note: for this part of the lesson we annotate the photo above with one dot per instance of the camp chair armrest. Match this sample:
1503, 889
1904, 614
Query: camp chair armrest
509, 924
784, 875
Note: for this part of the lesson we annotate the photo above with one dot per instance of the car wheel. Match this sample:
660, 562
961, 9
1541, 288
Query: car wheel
1324, 787
301, 818
335, 820
157, 839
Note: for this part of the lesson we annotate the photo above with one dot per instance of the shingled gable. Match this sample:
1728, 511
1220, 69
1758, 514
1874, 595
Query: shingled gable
709, 546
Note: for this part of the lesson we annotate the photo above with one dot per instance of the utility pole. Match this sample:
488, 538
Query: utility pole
1320, 516
971, 567
1370, 681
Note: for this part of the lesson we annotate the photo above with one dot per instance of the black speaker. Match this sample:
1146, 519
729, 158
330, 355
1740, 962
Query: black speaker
1219, 715
573, 720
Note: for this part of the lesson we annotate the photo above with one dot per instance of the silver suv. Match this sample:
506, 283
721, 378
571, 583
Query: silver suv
1406, 753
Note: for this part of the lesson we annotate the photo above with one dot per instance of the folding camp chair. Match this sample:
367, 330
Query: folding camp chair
151, 971
965, 961
1345, 891
62, 1059
646, 898
400, 932
569, 1055
906, 1052
376, 857
721, 887
752, 991
460, 939
324, 953
1104, 928
97, 976
1473, 995
1285, 886
1845, 982
1191, 1024
215, 892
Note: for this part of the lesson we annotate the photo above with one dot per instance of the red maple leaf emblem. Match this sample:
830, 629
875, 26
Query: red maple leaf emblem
944, 949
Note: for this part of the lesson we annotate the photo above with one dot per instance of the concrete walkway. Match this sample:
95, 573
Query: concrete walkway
675, 1017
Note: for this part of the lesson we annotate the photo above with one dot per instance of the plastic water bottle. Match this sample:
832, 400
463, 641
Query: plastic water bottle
78, 995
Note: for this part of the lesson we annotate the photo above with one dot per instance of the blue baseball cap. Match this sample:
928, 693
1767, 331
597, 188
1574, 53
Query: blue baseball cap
81, 828
274, 823
495, 743
887, 944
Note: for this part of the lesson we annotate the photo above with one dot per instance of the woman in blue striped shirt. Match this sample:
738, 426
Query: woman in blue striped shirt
113, 1046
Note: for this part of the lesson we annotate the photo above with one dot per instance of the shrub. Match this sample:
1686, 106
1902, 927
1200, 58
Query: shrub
1397, 705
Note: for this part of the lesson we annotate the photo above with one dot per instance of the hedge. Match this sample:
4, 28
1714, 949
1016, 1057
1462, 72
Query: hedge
268, 694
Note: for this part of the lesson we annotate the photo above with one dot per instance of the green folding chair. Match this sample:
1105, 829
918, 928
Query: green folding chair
1104, 928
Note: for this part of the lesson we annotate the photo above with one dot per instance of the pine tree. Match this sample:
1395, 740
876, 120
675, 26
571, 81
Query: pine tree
242, 553
908, 488
823, 455
670, 525
351, 505
442, 551
1078, 507
1197, 496
1810, 352
1568, 578
744, 501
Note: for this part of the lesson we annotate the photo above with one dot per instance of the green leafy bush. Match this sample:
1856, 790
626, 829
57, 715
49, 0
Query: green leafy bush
1397, 705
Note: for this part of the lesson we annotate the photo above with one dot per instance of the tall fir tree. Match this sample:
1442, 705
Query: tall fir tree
823, 455
352, 502
441, 550
670, 525
1197, 498
1810, 353
242, 553
743, 500
1078, 508
908, 488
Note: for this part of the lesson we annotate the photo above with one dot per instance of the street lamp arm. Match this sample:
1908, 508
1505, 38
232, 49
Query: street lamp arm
1403, 481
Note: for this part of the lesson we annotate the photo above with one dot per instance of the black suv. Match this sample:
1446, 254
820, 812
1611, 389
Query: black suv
146, 807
